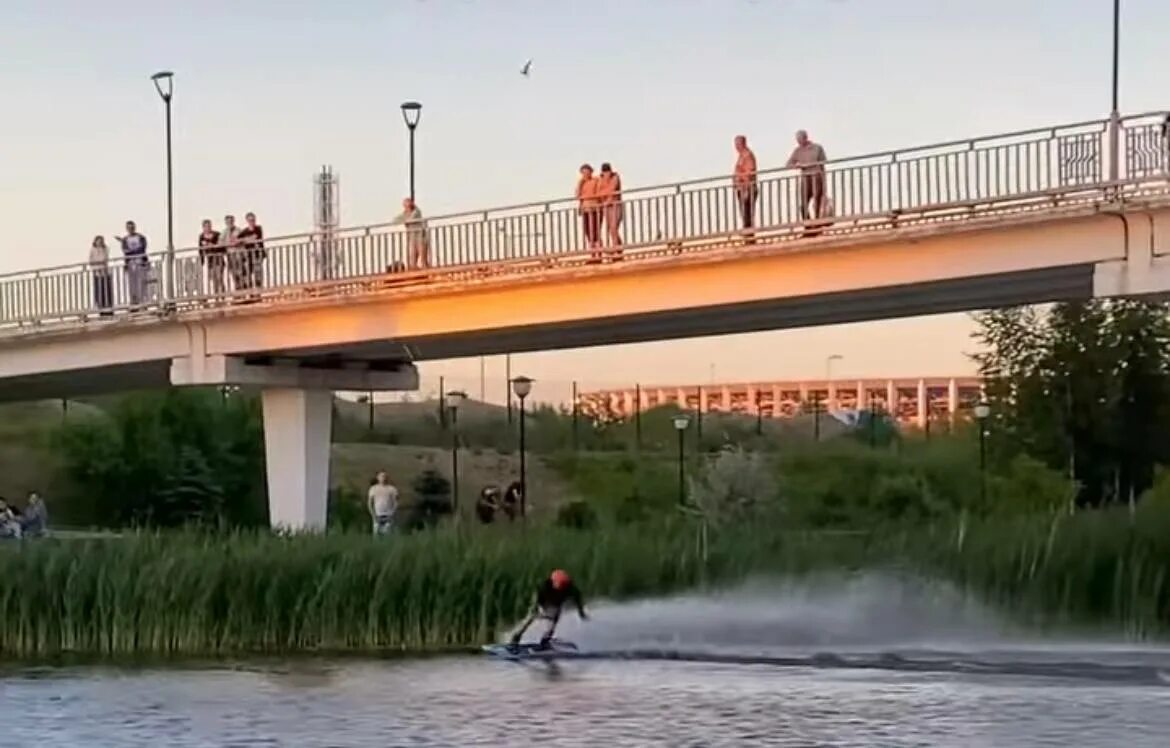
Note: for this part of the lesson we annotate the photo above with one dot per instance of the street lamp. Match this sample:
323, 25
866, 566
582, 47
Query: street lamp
521, 386
1115, 114
681, 421
982, 411
454, 399
164, 83
411, 111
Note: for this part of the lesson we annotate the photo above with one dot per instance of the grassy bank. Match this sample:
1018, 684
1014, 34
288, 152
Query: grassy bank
199, 595
182, 593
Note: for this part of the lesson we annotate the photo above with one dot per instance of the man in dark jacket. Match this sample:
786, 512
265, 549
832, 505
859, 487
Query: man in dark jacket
552, 594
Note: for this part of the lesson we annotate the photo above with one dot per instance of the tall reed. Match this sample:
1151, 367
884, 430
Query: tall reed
203, 595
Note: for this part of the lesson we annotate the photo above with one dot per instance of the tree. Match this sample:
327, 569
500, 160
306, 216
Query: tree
1083, 387
169, 458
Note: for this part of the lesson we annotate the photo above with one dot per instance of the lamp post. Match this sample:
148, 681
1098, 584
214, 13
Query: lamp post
982, 411
411, 111
454, 399
1115, 114
164, 83
681, 421
521, 386
759, 416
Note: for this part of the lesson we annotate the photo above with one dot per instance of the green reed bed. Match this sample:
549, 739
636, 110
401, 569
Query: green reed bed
205, 595
1105, 568
186, 593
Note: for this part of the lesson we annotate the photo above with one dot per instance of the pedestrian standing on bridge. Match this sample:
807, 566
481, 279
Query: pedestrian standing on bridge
809, 157
99, 266
253, 254
230, 239
214, 256
609, 191
589, 202
137, 264
417, 247
746, 187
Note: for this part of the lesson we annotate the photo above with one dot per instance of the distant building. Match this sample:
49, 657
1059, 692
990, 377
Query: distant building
910, 400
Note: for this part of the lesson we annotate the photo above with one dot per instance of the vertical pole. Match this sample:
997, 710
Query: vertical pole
760, 415
442, 401
682, 485
369, 402
816, 417
699, 424
454, 464
482, 380
638, 415
412, 163
872, 426
508, 384
523, 467
576, 417
1115, 114
982, 464
170, 264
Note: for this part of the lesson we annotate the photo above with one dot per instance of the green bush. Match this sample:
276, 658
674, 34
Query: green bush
432, 501
577, 515
167, 459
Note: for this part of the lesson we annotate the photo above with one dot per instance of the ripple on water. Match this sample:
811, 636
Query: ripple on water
476, 702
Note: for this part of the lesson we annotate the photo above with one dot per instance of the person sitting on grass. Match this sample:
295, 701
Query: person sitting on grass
35, 521
9, 522
552, 594
487, 504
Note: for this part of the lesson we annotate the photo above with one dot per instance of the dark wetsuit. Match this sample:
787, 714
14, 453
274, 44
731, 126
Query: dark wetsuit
549, 603
550, 599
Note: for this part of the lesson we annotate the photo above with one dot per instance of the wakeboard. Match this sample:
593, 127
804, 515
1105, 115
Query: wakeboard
531, 650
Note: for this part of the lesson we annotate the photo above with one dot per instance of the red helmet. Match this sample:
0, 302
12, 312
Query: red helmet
560, 579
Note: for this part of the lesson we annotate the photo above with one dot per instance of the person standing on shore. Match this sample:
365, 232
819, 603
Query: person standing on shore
382, 502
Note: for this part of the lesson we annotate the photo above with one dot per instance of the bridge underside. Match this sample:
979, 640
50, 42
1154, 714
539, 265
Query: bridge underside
917, 299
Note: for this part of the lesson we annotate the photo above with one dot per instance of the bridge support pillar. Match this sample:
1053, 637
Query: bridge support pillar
297, 427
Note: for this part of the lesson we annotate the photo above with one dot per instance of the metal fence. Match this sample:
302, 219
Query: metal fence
1028, 170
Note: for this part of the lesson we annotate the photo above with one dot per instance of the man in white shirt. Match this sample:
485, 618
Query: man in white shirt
383, 503
418, 248
810, 158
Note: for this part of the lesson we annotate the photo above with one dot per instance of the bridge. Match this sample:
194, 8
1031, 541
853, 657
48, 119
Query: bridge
1057, 213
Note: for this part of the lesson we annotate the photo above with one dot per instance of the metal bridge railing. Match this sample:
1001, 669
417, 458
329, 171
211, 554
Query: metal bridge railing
1026, 170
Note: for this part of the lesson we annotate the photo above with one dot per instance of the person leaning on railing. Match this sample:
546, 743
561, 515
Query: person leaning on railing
418, 249
230, 239
609, 192
99, 267
134, 253
254, 254
589, 203
809, 157
213, 255
746, 187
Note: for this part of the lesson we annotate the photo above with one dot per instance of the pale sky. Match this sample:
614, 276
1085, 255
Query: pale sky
266, 91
